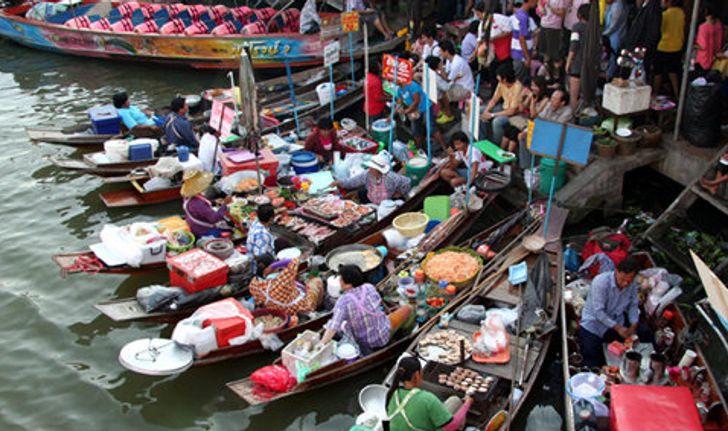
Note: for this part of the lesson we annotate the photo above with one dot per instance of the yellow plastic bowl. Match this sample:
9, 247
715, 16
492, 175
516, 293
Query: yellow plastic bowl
411, 224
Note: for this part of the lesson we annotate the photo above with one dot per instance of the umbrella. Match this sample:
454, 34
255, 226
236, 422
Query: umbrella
249, 108
592, 50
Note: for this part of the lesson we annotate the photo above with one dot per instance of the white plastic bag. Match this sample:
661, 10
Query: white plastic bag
228, 183
386, 207
115, 238
166, 167
157, 183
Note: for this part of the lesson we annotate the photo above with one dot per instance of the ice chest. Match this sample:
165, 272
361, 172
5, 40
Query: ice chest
626, 100
196, 270
154, 252
104, 120
141, 152
267, 160
653, 408
312, 361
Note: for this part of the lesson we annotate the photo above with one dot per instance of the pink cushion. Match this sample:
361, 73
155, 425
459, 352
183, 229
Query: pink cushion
174, 26
197, 27
78, 22
254, 28
147, 27
102, 24
127, 9
224, 29
123, 26
218, 13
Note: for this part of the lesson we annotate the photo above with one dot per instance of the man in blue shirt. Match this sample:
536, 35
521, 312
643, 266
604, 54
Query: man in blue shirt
139, 123
611, 312
178, 128
414, 103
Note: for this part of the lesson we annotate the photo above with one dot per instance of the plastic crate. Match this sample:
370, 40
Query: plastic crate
313, 362
105, 120
196, 270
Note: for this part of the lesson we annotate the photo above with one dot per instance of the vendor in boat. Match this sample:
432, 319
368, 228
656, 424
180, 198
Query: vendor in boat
177, 128
200, 215
455, 172
323, 140
279, 289
611, 312
412, 408
379, 181
260, 241
359, 312
139, 123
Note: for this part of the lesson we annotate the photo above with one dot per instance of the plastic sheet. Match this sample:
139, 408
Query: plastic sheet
155, 297
471, 313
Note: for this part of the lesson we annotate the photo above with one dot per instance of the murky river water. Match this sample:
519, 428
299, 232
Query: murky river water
58, 367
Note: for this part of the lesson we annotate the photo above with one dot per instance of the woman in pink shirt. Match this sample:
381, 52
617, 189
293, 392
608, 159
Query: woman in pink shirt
709, 40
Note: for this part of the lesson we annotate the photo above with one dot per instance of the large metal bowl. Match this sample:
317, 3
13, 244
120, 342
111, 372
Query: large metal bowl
347, 255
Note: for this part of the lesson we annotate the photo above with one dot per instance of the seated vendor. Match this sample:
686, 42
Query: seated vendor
412, 408
360, 306
323, 140
380, 182
718, 185
260, 240
200, 215
280, 289
455, 172
137, 122
177, 128
611, 312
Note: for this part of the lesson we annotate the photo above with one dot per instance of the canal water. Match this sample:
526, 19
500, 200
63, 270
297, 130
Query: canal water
58, 367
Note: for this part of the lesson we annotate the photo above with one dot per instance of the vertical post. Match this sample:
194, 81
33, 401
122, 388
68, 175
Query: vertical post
552, 188
427, 112
366, 71
394, 104
530, 185
351, 57
473, 117
686, 68
293, 96
333, 90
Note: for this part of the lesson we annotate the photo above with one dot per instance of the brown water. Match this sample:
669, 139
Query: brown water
58, 367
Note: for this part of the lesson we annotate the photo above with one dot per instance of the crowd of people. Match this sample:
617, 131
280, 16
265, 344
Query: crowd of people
528, 57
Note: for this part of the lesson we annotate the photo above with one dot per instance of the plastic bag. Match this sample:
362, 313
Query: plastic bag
386, 207
702, 115
157, 183
154, 297
228, 183
471, 313
166, 167
270, 342
493, 337
115, 238
274, 377
507, 315
543, 418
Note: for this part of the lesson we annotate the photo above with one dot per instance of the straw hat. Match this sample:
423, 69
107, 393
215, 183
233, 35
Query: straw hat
195, 182
379, 162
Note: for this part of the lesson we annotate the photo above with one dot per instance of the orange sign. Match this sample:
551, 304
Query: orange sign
350, 22
404, 69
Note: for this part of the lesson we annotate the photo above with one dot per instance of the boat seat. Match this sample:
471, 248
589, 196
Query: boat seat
102, 24
74, 12
263, 15
254, 28
124, 25
175, 26
83, 21
227, 28
242, 14
218, 13
286, 22
198, 27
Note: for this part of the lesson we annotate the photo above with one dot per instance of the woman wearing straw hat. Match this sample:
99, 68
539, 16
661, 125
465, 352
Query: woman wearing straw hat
380, 182
202, 218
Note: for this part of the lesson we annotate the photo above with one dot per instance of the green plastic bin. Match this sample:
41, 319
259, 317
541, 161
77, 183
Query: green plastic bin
437, 207
546, 171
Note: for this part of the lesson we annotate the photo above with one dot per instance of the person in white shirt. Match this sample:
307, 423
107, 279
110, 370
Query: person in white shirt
455, 172
460, 75
430, 46
469, 44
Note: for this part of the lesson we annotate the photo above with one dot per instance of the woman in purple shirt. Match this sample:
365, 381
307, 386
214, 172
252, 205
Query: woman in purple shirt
360, 306
202, 218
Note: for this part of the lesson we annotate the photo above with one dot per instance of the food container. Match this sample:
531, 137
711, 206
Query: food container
347, 352
319, 356
417, 168
196, 270
304, 162
585, 386
259, 312
267, 162
411, 224
105, 120
220, 248
443, 257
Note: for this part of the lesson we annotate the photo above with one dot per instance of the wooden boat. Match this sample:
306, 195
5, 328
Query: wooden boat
340, 370
528, 346
128, 309
88, 165
200, 51
269, 91
685, 332
135, 195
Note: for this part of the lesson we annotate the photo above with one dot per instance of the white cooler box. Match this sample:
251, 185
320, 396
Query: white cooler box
317, 359
626, 100
154, 252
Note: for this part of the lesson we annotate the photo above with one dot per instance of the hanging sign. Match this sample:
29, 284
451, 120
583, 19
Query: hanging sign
404, 69
576, 146
431, 85
331, 53
350, 22
216, 114
226, 125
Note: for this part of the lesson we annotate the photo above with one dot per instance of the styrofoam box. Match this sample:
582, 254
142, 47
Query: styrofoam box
154, 252
626, 100
314, 361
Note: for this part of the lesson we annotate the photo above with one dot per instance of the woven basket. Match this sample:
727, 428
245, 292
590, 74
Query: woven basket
461, 283
411, 224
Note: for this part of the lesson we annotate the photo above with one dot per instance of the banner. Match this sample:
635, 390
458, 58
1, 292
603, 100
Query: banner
350, 22
216, 114
226, 125
404, 69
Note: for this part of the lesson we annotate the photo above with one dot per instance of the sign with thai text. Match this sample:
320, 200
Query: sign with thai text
404, 69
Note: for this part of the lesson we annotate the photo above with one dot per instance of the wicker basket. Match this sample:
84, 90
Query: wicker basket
411, 224
461, 283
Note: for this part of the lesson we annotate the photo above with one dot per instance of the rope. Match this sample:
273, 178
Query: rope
86, 264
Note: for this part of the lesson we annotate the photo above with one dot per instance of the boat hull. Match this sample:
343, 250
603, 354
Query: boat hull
200, 52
